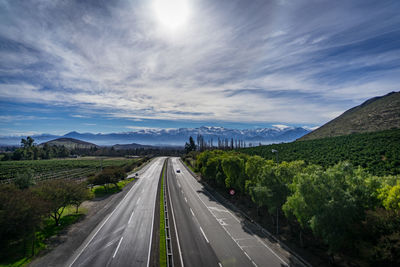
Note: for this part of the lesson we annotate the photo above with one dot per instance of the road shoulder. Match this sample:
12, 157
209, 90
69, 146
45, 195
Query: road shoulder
62, 246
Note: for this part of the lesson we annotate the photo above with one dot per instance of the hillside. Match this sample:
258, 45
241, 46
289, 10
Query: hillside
130, 146
375, 114
378, 152
70, 143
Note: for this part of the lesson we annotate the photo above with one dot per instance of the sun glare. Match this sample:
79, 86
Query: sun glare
171, 14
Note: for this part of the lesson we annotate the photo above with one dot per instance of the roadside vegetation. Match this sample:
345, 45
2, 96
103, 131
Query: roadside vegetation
376, 152
343, 210
32, 211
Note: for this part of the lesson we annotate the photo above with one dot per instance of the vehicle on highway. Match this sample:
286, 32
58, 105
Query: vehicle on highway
178, 170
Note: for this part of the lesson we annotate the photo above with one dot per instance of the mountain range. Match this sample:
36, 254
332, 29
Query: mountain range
276, 134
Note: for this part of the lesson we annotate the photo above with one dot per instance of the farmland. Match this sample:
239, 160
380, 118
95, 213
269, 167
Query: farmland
377, 152
58, 168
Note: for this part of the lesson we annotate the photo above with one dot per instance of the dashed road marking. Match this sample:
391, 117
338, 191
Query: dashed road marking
201, 229
130, 218
116, 250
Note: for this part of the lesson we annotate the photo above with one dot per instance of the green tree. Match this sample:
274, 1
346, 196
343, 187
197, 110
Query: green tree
328, 202
24, 180
21, 214
191, 146
390, 196
79, 194
234, 169
58, 194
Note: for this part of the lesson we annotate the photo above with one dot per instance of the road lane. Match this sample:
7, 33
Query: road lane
193, 244
123, 238
233, 242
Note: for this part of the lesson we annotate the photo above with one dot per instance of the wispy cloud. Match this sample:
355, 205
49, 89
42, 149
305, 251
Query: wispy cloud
79, 116
273, 61
138, 128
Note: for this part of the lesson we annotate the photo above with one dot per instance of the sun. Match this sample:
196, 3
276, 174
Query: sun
171, 14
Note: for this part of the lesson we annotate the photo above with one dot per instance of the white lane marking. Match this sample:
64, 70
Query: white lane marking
192, 212
186, 199
109, 216
179, 185
131, 216
142, 190
217, 209
138, 200
201, 229
244, 238
176, 231
252, 233
116, 250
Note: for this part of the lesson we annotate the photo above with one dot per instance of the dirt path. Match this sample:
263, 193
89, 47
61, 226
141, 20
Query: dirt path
62, 246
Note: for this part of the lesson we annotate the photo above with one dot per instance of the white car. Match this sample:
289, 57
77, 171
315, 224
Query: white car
178, 170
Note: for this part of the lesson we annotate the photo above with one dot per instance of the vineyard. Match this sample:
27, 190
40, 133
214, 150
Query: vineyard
58, 168
376, 152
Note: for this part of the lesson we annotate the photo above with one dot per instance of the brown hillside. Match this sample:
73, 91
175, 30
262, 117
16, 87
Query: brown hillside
70, 143
375, 114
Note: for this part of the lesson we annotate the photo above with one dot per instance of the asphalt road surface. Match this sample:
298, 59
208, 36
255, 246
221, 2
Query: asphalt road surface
123, 238
208, 233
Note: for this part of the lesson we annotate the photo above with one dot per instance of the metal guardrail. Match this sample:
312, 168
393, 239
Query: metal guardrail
170, 260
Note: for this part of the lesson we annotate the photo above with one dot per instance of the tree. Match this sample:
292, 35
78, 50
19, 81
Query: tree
329, 202
390, 196
21, 214
58, 195
79, 194
253, 170
234, 169
110, 175
191, 146
24, 180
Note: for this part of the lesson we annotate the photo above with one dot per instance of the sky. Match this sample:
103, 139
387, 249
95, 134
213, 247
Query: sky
106, 66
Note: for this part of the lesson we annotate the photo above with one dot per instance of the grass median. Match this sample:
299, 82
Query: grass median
163, 249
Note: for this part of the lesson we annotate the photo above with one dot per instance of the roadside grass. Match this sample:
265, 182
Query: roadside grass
100, 191
20, 255
163, 249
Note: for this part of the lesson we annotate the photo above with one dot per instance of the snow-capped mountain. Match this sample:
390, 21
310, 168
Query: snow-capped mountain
276, 134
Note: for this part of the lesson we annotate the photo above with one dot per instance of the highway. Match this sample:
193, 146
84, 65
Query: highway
124, 237
208, 233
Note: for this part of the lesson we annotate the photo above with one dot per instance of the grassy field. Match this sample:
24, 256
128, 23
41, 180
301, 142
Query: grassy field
58, 168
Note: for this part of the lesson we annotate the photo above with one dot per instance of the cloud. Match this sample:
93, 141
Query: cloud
79, 116
138, 128
272, 61
281, 126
